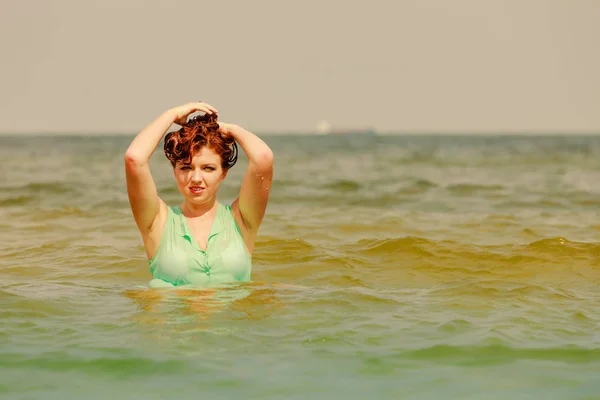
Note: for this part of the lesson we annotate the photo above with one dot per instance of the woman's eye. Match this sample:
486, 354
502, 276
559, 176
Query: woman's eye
209, 168
186, 167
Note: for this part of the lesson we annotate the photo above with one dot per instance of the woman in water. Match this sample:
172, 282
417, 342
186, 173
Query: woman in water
200, 242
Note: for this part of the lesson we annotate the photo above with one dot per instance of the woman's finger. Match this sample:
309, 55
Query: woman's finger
192, 108
209, 107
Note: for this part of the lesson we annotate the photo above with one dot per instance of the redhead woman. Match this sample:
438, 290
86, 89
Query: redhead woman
199, 242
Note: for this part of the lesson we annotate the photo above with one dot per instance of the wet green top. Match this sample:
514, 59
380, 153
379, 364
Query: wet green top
180, 261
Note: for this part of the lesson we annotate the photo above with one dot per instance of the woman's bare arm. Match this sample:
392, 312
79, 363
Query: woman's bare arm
143, 197
256, 185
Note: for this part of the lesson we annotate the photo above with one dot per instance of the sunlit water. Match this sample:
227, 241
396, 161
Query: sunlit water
386, 267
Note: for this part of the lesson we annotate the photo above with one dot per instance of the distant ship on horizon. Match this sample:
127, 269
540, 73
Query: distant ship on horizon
324, 128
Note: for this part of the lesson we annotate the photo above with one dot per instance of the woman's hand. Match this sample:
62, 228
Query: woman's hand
182, 112
225, 127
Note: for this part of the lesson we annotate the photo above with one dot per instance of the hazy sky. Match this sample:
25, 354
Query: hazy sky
402, 66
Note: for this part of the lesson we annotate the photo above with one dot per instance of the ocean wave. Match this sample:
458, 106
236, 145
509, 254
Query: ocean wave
120, 365
542, 248
16, 201
469, 188
501, 354
41, 188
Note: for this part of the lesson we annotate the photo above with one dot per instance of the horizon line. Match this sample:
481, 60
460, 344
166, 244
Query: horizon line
337, 134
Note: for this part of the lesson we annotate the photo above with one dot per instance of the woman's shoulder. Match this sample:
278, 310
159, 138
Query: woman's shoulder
175, 208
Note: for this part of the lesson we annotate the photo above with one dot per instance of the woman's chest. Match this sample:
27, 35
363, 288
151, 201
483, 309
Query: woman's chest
222, 258
200, 232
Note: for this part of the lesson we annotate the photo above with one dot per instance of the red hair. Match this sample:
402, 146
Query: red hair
200, 131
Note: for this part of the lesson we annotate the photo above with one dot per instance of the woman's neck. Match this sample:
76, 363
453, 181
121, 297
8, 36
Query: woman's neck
192, 210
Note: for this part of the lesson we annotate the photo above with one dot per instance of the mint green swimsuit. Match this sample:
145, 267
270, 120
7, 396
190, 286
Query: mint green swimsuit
180, 261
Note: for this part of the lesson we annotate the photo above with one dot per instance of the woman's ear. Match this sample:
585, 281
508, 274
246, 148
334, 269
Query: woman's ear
224, 175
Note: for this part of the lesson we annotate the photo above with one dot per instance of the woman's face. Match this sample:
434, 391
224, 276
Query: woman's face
199, 181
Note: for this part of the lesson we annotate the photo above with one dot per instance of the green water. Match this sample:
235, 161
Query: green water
415, 267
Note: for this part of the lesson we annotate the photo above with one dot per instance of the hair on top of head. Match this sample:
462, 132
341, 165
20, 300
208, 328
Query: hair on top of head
198, 132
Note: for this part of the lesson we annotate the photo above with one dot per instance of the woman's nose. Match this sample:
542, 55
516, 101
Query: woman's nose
197, 176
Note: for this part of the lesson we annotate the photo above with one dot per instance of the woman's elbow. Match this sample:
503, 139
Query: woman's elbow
133, 159
267, 156
263, 159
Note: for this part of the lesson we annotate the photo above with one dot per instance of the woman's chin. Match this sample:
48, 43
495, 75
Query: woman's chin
197, 198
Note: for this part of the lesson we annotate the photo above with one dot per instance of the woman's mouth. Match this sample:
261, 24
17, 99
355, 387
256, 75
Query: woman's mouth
196, 189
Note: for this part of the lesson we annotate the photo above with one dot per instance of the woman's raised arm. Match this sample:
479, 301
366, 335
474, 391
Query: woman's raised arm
143, 197
256, 186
